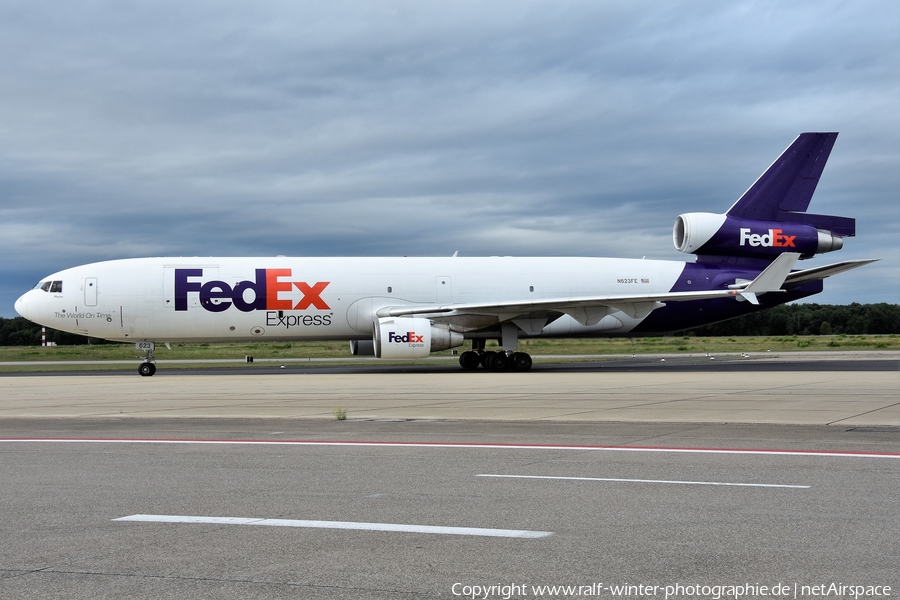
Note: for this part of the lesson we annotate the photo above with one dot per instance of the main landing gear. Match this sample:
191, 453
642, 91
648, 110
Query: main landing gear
495, 361
507, 359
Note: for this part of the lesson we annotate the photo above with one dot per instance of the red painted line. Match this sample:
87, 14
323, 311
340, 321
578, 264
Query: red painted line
471, 445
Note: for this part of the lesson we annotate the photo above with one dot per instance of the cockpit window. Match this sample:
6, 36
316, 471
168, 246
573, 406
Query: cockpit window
54, 287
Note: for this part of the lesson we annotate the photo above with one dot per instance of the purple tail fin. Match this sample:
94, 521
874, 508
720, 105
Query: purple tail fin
770, 218
784, 191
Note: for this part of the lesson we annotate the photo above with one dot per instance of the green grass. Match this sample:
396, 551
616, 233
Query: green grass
693, 345
536, 347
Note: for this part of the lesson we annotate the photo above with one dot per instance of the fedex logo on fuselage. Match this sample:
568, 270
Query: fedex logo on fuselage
775, 238
410, 337
260, 294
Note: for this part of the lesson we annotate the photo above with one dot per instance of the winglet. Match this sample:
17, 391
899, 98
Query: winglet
772, 277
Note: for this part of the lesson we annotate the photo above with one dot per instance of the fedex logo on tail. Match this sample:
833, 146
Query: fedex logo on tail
774, 239
268, 291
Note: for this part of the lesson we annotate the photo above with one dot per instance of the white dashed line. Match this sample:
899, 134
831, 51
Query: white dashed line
351, 525
760, 485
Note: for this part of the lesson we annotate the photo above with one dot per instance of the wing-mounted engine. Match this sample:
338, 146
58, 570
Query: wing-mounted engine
406, 337
724, 235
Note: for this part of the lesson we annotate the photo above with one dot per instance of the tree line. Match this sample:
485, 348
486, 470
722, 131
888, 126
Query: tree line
22, 332
812, 319
793, 319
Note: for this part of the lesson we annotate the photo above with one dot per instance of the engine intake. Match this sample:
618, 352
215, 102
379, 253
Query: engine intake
406, 337
722, 235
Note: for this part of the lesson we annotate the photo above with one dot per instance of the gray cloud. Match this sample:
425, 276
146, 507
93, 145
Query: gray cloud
565, 128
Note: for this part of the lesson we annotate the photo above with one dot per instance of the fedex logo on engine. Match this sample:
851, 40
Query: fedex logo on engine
272, 289
774, 239
410, 337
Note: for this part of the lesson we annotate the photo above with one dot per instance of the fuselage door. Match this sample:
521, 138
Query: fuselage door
90, 291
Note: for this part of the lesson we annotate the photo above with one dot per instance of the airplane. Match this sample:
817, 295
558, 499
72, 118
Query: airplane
407, 308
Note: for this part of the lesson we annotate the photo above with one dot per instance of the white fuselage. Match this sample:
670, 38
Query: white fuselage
282, 298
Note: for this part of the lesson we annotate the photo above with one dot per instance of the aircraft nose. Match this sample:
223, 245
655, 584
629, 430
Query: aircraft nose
22, 305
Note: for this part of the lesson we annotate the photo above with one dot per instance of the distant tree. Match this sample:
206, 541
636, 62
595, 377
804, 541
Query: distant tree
883, 318
19, 331
804, 319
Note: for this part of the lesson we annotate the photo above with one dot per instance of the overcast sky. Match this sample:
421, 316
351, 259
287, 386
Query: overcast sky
422, 128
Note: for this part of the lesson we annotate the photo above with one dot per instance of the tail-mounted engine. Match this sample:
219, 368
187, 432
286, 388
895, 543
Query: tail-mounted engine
405, 337
724, 235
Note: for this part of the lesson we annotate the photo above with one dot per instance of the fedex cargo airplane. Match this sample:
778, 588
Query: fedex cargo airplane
406, 308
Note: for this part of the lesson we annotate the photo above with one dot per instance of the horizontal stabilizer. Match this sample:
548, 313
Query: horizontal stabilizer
817, 273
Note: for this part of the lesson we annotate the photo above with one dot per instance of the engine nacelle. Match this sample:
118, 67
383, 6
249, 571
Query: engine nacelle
404, 337
362, 347
721, 235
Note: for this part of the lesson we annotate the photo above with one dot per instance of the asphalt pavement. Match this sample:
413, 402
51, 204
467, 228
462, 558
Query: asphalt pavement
634, 484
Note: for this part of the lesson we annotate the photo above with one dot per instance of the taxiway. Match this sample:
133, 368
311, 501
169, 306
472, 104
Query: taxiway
217, 485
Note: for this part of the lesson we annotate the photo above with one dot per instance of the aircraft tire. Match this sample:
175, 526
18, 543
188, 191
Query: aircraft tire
147, 369
499, 362
469, 360
521, 361
486, 359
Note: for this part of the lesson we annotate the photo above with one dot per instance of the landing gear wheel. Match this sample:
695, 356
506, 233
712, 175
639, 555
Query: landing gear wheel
147, 369
486, 358
499, 361
469, 360
521, 361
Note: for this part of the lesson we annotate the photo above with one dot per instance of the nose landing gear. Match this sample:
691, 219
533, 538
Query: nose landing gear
148, 367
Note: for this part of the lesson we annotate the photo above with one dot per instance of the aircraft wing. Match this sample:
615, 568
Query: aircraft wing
621, 302
589, 310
